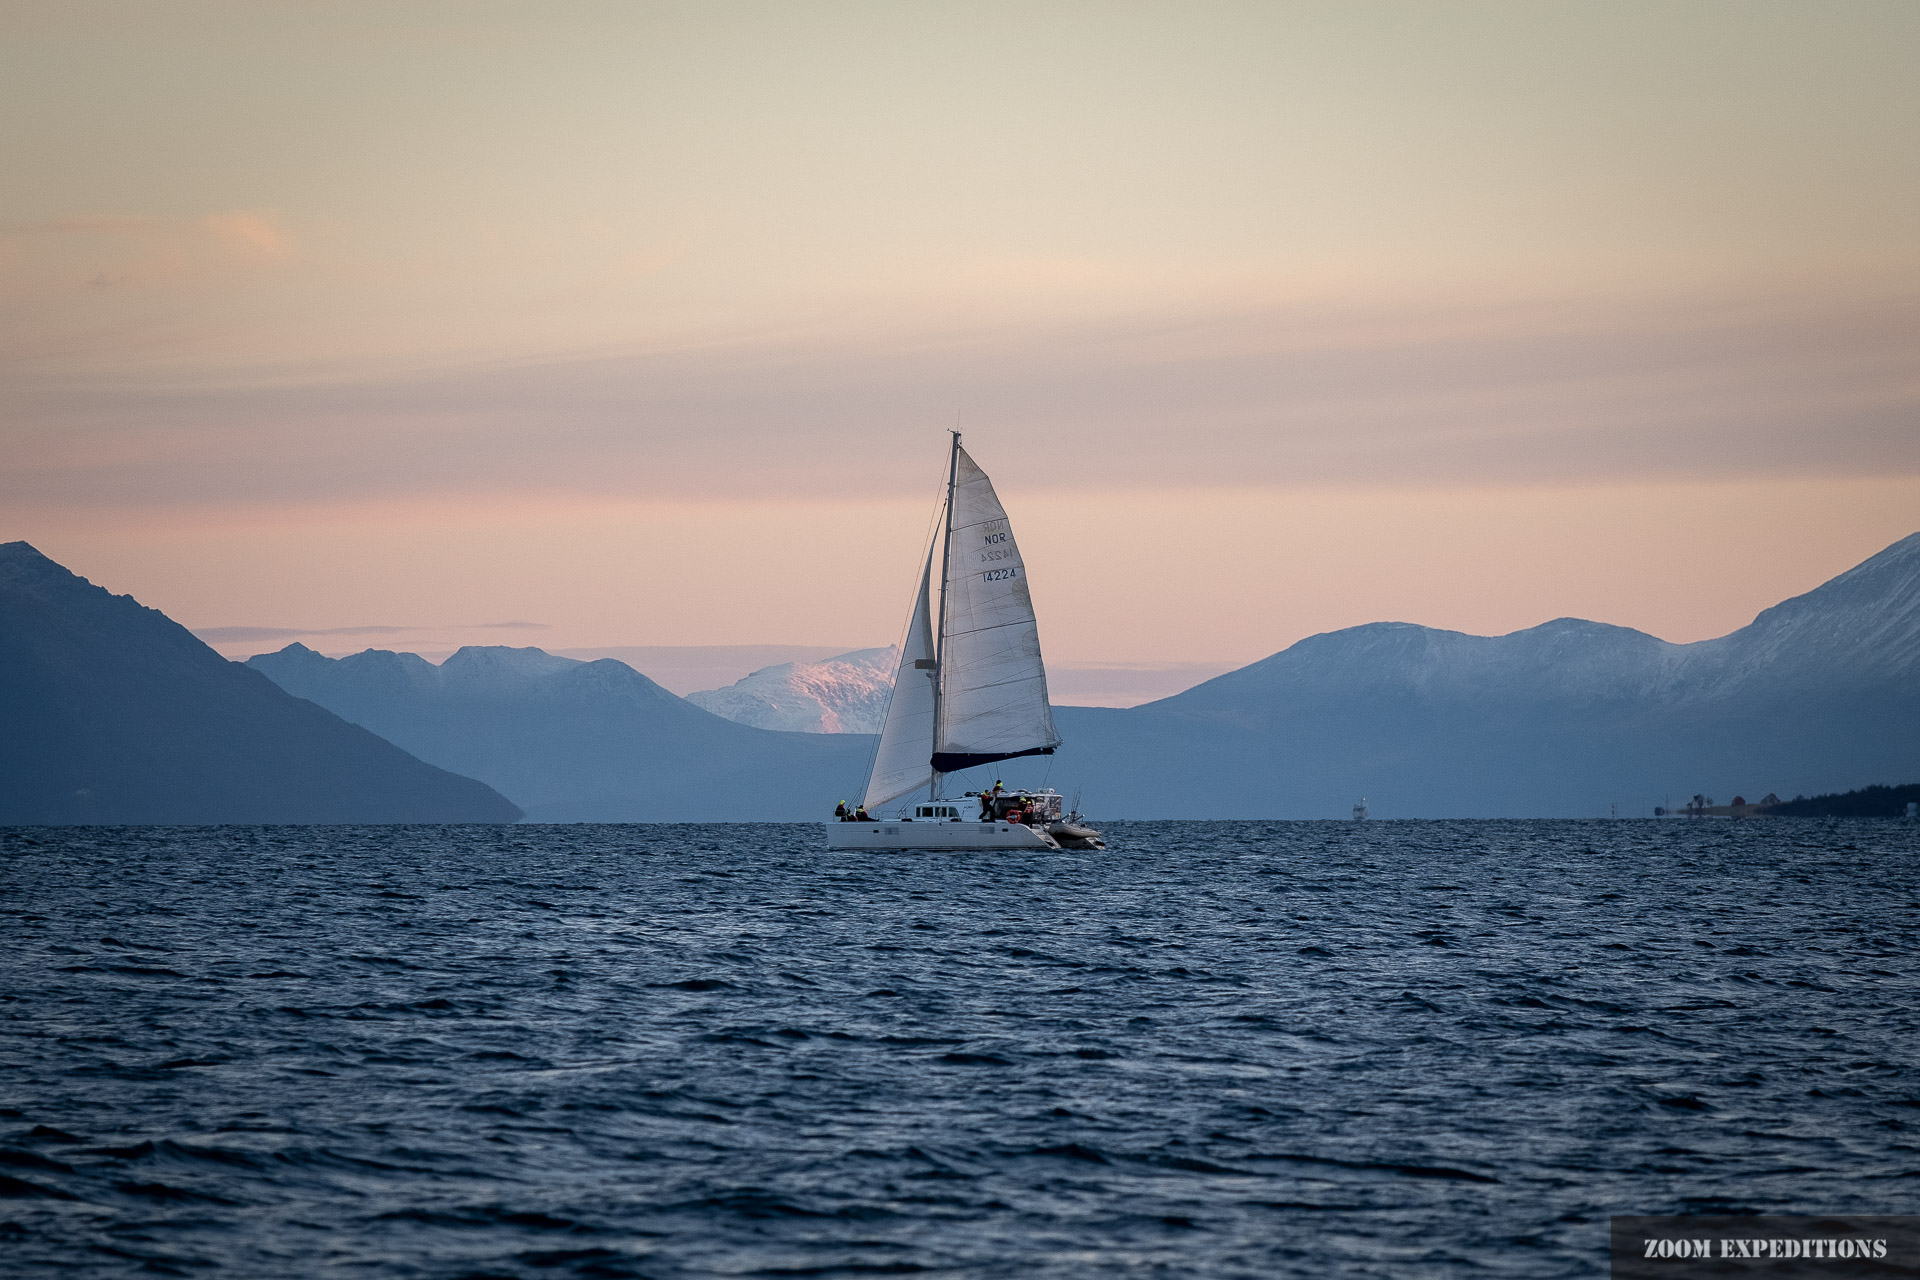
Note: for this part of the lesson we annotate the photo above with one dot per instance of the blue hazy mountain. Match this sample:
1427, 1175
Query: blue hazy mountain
1819, 693
110, 712
577, 741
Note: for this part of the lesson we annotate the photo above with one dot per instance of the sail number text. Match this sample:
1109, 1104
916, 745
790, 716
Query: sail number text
997, 545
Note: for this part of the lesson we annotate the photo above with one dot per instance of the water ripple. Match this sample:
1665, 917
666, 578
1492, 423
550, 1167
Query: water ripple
1219, 1049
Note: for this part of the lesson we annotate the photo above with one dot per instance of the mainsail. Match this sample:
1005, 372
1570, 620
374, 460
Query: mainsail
900, 762
985, 698
993, 687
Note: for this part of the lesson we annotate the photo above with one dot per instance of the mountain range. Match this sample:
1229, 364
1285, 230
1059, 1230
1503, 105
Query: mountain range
110, 712
1818, 693
576, 741
113, 713
1567, 718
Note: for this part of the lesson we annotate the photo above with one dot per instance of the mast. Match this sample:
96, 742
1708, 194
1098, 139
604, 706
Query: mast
940, 632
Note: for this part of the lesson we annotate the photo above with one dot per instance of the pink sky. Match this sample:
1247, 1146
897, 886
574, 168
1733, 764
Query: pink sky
644, 325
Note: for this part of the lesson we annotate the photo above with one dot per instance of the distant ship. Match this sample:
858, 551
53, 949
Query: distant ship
970, 691
1360, 810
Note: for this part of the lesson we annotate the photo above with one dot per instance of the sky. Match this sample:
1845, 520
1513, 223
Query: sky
588, 325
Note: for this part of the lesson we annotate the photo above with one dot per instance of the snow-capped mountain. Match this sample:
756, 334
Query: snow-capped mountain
843, 694
1863, 626
1818, 693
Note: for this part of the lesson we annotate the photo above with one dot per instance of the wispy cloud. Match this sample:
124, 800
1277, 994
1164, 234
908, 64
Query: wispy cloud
248, 635
250, 232
83, 224
43, 260
1570, 392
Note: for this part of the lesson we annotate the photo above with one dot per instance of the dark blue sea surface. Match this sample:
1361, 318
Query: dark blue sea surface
1216, 1049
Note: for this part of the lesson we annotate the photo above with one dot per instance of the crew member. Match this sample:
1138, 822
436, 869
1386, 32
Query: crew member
840, 811
861, 815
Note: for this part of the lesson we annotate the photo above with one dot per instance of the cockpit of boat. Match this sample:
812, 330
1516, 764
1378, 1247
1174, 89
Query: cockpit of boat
1017, 806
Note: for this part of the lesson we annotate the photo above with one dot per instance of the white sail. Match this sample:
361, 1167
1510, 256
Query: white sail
993, 687
900, 762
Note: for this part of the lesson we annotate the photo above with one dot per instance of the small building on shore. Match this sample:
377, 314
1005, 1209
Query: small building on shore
1702, 806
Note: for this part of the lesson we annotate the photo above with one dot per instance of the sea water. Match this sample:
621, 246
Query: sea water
1215, 1049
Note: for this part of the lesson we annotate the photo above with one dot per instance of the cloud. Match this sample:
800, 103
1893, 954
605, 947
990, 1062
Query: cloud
259, 234
1523, 394
247, 635
250, 635
251, 231
121, 260
84, 224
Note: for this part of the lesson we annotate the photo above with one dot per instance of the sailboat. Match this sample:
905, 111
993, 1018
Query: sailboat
971, 690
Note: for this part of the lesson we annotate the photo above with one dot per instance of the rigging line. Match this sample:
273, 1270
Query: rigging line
946, 595
980, 631
900, 644
1001, 684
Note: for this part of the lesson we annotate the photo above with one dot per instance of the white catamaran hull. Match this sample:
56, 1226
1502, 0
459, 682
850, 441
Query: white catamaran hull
937, 835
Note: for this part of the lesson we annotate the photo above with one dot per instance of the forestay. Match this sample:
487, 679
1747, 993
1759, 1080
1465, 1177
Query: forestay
900, 762
993, 686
